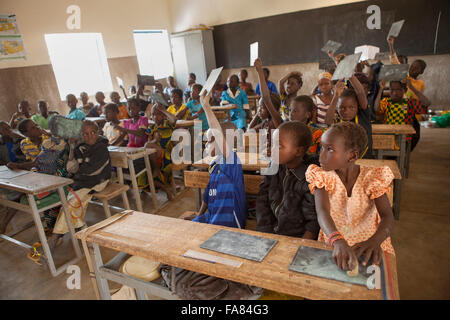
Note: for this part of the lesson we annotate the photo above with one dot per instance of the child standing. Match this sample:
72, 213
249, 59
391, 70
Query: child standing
123, 113
288, 92
35, 136
178, 108
285, 205
135, 126
115, 136
195, 107
323, 99
74, 112
237, 96
41, 118
353, 209
23, 112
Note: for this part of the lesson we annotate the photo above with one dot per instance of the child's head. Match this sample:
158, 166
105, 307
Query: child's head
158, 87
325, 84
340, 57
157, 115
42, 108
302, 109
195, 91
134, 107
100, 97
295, 138
5, 129
132, 89
115, 97
111, 112
397, 90
177, 97
24, 107
266, 72
263, 112
294, 83
171, 81
342, 144
84, 97
71, 101
192, 77
402, 59
89, 132
29, 128
233, 81
243, 74
417, 68
348, 105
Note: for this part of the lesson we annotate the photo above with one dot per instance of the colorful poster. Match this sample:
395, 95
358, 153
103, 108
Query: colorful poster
11, 42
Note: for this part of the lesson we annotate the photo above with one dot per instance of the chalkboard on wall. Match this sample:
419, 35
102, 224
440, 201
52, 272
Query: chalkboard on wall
298, 37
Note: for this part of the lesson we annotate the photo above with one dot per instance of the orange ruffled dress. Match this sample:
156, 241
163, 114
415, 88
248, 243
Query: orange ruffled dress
355, 217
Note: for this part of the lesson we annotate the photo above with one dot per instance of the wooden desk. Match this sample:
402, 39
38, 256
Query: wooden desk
96, 119
249, 161
253, 102
400, 131
179, 123
32, 183
165, 239
123, 158
225, 108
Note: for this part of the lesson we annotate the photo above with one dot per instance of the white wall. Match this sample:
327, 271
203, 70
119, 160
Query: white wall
189, 13
115, 19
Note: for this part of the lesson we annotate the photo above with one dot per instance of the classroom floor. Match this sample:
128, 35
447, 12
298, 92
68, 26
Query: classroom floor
421, 238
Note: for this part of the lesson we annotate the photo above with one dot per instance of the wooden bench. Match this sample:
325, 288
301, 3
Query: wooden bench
112, 190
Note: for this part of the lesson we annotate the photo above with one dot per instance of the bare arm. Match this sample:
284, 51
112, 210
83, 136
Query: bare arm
378, 98
360, 94
275, 114
172, 118
254, 122
393, 54
331, 112
422, 98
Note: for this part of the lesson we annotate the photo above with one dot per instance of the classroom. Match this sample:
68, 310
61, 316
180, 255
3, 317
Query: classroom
224, 150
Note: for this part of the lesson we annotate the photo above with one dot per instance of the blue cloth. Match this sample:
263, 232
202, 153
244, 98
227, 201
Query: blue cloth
238, 115
225, 195
10, 147
194, 108
272, 87
76, 114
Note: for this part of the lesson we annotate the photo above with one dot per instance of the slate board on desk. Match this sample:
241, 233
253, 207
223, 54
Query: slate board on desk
320, 263
240, 245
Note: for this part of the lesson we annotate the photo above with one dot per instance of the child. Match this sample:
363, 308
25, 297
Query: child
284, 204
216, 92
263, 118
22, 113
9, 145
237, 96
86, 106
178, 108
224, 201
187, 92
349, 109
135, 126
41, 118
97, 111
115, 136
323, 99
159, 138
246, 86
123, 113
195, 107
272, 87
91, 166
171, 85
35, 136
289, 91
74, 113
352, 205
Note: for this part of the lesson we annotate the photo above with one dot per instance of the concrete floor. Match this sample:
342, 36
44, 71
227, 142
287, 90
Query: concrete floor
421, 238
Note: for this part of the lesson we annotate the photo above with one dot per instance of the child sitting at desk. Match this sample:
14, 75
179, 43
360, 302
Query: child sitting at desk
9, 145
23, 112
289, 91
160, 138
195, 107
284, 204
74, 112
123, 112
272, 87
90, 165
178, 108
224, 201
246, 86
115, 136
86, 106
97, 111
41, 118
352, 206
235, 95
135, 126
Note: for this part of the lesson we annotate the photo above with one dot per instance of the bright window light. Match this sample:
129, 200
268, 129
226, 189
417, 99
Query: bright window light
153, 53
79, 63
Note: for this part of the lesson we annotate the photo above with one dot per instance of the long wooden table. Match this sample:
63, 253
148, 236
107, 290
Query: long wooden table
249, 161
165, 239
31, 184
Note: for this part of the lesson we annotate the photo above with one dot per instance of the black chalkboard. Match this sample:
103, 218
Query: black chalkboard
298, 37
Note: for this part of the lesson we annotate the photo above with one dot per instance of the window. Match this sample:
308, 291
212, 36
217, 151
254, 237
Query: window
79, 63
153, 53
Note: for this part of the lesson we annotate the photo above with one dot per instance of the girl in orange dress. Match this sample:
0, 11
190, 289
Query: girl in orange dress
352, 205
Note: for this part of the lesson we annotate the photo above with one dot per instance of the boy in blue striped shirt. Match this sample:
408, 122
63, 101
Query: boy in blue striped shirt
224, 201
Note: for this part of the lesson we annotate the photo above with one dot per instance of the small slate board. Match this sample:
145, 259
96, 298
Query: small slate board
158, 98
395, 29
145, 80
383, 56
239, 245
346, 68
211, 81
320, 263
331, 46
394, 72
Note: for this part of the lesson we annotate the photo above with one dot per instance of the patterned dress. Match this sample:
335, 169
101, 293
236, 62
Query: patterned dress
356, 217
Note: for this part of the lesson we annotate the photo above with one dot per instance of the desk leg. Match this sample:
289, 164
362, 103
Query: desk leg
397, 198
65, 207
198, 198
150, 181
137, 195
102, 284
41, 233
402, 158
408, 153
124, 195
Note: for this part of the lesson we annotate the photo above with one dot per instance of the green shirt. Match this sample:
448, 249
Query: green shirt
41, 121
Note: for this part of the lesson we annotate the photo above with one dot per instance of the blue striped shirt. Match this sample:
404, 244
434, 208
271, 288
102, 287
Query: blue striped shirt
225, 195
